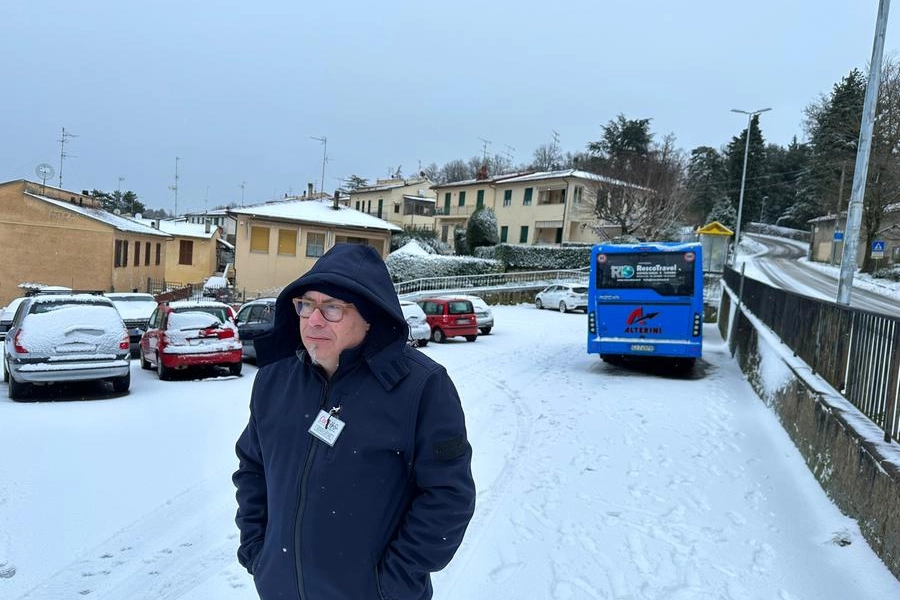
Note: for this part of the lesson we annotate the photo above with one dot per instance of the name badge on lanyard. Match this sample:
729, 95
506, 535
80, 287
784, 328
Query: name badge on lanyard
327, 426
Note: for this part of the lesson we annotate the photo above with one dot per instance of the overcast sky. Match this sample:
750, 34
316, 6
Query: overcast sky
238, 90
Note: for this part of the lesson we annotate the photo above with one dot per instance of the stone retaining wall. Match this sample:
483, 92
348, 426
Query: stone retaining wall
843, 450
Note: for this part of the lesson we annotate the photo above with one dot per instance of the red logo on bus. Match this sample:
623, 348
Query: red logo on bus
637, 322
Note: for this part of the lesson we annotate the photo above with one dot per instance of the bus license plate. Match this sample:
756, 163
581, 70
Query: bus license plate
642, 348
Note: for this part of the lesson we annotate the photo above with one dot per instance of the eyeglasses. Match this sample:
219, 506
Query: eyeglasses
332, 311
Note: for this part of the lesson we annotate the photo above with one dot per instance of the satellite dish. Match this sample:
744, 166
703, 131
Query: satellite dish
45, 172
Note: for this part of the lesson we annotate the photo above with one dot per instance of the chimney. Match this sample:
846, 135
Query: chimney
336, 205
207, 226
309, 190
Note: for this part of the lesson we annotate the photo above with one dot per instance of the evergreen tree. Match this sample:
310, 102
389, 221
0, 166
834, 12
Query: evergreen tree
354, 182
832, 124
482, 229
787, 201
706, 183
756, 179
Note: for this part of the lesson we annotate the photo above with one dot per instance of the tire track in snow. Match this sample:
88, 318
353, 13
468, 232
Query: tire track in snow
162, 556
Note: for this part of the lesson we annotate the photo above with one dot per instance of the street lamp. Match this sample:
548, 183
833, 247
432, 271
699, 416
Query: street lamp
737, 231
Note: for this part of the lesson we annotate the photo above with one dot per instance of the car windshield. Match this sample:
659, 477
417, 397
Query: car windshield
579, 290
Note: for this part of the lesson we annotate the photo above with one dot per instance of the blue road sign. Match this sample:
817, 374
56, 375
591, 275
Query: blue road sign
878, 246
838, 235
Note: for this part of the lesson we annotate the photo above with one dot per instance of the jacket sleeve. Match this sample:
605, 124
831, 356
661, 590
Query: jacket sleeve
434, 525
250, 481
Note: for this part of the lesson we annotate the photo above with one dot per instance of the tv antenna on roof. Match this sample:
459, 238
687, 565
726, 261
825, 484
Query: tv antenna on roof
484, 148
62, 151
45, 172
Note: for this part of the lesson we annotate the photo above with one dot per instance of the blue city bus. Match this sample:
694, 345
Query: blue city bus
646, 300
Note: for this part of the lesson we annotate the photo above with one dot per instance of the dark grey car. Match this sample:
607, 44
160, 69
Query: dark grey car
253, 320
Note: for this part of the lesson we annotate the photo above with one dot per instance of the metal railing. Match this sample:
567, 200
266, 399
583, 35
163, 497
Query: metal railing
489, 282
855, 351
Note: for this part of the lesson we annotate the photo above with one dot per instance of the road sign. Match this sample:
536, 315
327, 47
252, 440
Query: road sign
878, 249
838, 235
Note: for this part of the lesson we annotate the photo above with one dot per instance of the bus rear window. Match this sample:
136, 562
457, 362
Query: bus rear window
666, 273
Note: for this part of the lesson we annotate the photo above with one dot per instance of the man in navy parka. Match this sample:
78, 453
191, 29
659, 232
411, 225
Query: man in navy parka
373, 515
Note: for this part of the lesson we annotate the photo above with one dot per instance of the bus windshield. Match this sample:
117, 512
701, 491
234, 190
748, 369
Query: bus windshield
666, 273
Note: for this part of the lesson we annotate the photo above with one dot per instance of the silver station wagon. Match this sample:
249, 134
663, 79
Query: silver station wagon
64, 338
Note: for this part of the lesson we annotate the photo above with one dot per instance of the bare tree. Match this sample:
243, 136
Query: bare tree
640, 189
547, 157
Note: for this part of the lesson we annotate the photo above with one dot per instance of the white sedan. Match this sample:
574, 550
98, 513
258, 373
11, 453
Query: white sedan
419, 329
564, 296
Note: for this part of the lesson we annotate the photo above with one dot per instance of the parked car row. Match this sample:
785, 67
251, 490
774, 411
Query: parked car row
67, 336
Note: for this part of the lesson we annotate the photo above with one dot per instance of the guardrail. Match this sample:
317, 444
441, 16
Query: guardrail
488, 282
855, 351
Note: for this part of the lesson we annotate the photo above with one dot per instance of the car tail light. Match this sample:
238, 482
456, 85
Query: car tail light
124, 343
17, 343
226, 333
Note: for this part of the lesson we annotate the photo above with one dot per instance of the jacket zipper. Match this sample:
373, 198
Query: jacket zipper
304, 479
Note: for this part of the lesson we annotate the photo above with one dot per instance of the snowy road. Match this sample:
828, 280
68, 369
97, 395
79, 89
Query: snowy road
780, 264
594, 482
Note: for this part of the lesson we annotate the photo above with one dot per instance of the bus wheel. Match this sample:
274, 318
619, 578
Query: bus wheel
562, 307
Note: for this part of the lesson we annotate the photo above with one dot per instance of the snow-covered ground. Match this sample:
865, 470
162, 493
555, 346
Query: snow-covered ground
594, 482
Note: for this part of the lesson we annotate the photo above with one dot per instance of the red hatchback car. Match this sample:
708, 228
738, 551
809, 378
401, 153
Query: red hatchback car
450, 317
186, 333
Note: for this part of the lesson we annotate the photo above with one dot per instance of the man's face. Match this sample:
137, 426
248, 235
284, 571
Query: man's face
324, 339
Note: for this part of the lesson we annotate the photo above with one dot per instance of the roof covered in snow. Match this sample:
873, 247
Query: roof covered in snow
316, 211
98, 214
179, 228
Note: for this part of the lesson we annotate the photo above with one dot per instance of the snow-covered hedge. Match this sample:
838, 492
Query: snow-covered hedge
537, 258
404, 267
413, 262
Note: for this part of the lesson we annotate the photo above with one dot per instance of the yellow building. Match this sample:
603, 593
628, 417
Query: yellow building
277, 242
547, 207
403, 202
190, 251
56, 237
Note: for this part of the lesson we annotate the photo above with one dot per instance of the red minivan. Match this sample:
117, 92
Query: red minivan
450, 317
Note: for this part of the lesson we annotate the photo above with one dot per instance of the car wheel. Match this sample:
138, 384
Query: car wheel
145, 364
438, 336
164, 372
235, 368
485, 330
121, 384
538, 303
562, 307
471, 338
18, 391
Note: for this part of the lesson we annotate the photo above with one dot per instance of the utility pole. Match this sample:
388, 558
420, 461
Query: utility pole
861, 170
243, 183
324, 141
737, 230
62, 152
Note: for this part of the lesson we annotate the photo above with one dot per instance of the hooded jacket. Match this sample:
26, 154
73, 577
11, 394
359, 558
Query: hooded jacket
373, 515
